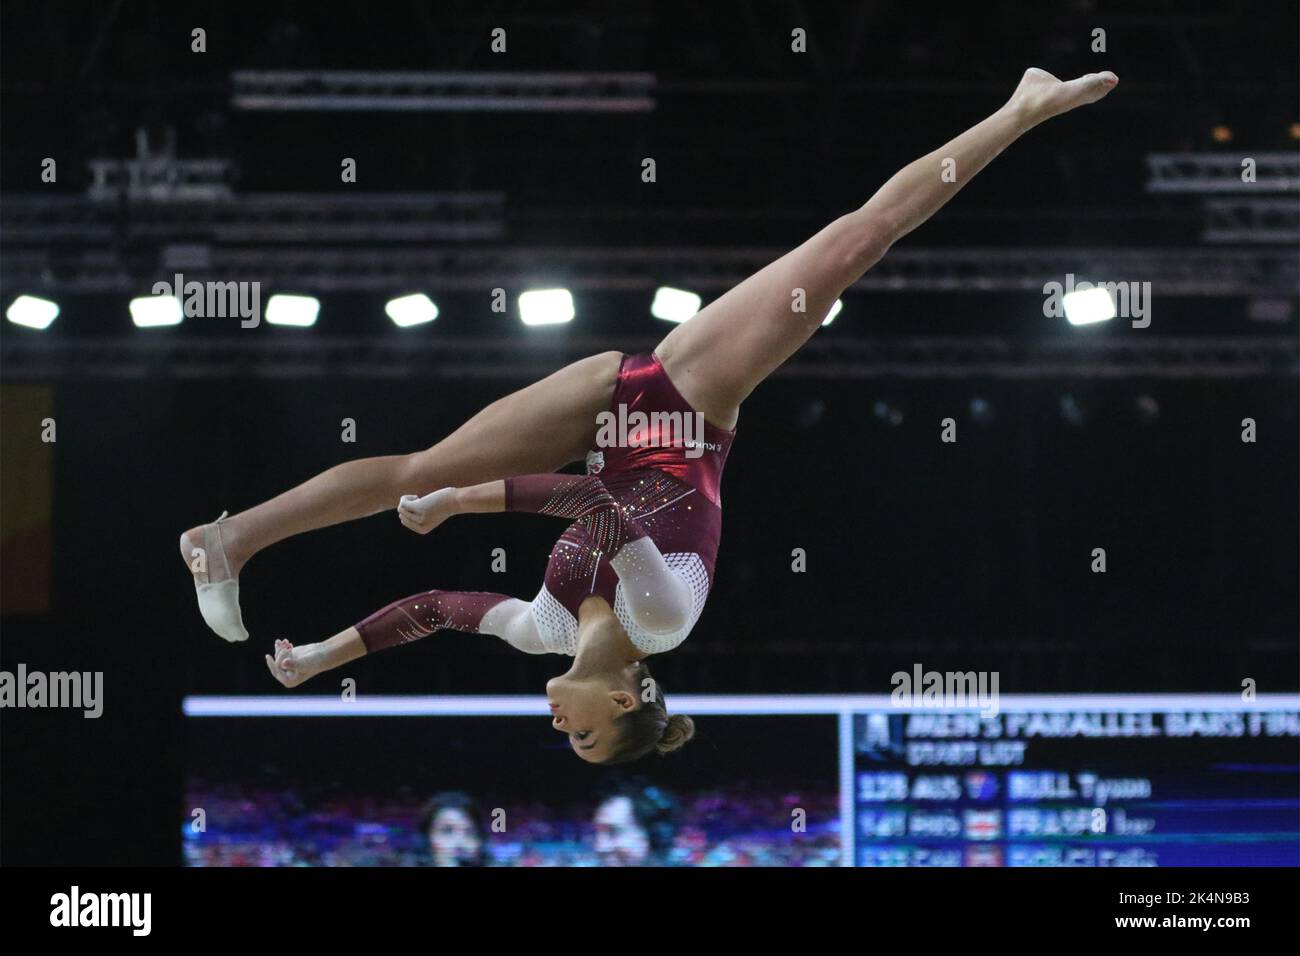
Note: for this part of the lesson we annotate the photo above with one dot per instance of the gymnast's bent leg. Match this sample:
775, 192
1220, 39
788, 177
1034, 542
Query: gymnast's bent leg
659, 599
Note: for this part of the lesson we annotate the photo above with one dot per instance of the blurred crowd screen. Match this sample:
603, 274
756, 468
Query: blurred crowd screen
630, 826
498, 791
26, 495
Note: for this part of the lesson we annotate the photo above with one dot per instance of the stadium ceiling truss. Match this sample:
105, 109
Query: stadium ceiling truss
1245, 195
154, 213
1241, 219
151, 216
516, 358
378, 242
106, 218
1222, 172
400, 91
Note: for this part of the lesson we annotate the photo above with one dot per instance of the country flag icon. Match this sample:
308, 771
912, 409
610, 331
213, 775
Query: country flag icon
981, 785
984, 856
983, 824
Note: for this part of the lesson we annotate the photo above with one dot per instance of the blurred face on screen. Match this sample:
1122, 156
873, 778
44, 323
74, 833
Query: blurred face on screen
620, 839
584, 710
454, 839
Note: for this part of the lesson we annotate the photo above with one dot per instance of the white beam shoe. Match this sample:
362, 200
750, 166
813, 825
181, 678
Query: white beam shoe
217, 589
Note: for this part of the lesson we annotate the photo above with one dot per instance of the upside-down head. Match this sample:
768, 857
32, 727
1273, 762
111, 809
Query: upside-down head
618, 717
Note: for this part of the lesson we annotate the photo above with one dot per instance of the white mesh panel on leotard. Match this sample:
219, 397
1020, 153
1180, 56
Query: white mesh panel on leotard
690, 569
558, 628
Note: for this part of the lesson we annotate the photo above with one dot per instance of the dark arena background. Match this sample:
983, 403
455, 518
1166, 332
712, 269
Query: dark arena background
965, 471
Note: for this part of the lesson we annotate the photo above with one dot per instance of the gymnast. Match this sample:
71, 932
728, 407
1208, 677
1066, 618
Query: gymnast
629, 575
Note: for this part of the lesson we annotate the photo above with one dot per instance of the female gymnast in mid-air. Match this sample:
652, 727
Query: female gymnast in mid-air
629, 576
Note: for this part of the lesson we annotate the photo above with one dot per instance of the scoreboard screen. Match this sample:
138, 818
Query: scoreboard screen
1054, 781
1123, 781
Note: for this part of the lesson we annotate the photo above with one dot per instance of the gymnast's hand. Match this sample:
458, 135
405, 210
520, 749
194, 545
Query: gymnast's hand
422, 515
293, 665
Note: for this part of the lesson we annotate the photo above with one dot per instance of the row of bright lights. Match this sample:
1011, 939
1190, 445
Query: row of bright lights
536, 307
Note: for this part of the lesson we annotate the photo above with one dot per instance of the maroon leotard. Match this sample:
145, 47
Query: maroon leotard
657, 475
652, 472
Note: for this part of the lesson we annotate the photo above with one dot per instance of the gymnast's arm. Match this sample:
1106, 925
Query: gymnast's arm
659, 599
407, 620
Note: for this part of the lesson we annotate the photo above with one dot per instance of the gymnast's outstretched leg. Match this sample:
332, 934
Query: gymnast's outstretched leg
719, 356
541, 428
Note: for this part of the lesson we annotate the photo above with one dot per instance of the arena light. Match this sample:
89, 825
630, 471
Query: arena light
1073, 411
408, 310
885, 412
1148, 408
153, 311
674, 305
982, 411
1088, 306
546, 307
835, 310
295, 310
32, 312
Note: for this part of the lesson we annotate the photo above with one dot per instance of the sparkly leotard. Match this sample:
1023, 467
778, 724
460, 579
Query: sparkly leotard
663, 467
646, 520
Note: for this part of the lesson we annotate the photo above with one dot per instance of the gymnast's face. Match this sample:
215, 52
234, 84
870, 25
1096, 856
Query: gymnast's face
584, 710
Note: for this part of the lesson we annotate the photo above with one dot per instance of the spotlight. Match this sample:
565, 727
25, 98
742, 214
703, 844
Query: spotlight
1221, 134
32, 312
1072, 411
152, 311
295, 310
1087, 306
1148, 409
546, 307
981, 412
408, 310
835, 310
674, 305
1294, 130
887, 413
812, 413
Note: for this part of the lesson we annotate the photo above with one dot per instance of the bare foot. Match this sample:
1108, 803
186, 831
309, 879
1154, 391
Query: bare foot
1040, 96
293, 665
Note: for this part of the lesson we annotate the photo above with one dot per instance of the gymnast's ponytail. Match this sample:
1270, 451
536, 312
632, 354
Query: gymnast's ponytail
677, 733
650, 727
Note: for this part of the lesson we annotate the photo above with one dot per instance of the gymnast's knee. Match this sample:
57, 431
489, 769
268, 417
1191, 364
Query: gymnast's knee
866, 238
417, 473
664, 613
